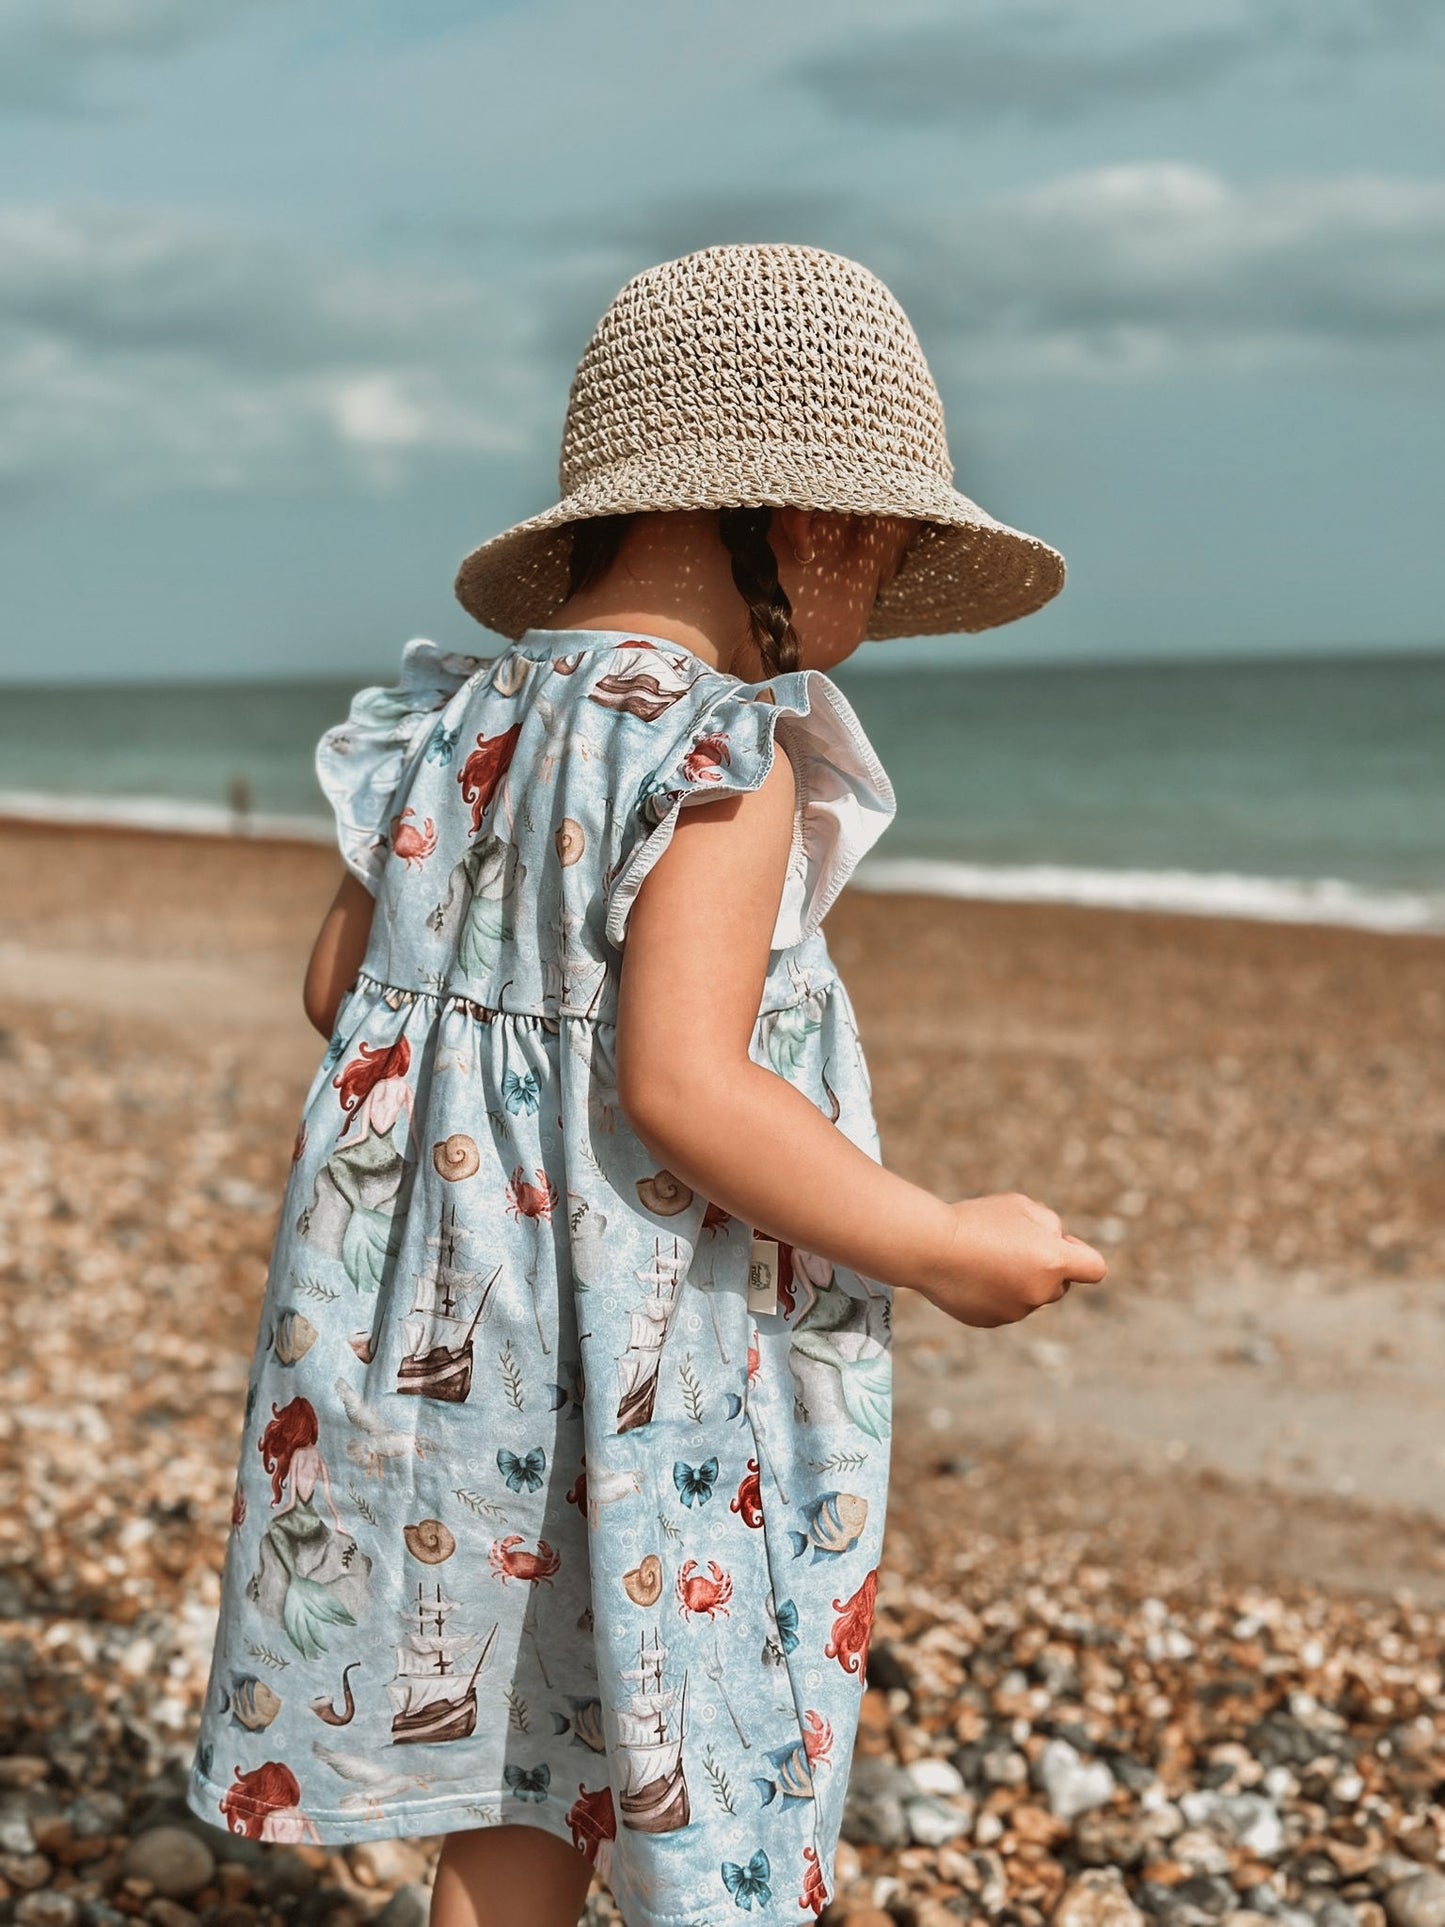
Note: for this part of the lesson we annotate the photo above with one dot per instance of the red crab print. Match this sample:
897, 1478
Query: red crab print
818, 1740
238, 1508
298, 1146
591, 1820
411, 844
484, 769
536, 1568
814, 1897
706, 760
698, 1594
749, 1500
853, 1627
755, 1357
526, 1200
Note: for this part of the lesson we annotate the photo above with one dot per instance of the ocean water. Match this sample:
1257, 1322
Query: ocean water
1306, 789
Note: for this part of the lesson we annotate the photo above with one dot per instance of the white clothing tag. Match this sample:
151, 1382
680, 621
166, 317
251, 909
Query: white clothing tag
763, 1277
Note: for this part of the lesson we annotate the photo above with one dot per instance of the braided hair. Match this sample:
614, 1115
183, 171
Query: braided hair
597, 541
755, 570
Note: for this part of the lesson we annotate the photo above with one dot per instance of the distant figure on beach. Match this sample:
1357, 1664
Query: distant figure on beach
566, 1452
238, 796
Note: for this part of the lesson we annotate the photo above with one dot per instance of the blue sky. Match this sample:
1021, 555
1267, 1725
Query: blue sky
291, 292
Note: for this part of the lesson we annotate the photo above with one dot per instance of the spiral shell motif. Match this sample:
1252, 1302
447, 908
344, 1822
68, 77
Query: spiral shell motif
456, 1157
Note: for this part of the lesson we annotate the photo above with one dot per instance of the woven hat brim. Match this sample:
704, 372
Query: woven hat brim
964, 572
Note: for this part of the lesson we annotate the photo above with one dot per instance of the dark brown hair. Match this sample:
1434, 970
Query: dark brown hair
744, 534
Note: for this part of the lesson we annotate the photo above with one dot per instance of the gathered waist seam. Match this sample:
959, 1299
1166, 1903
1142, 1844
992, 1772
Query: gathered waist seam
396, 995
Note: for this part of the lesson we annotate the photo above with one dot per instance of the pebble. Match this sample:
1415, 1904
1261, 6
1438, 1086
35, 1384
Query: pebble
47, 1910
1097, 1899
1073, 1785
932, 1775
933, 1823
409, 1906
1417, 1902
175, 1862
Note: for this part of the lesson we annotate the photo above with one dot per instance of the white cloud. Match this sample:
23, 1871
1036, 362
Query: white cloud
142, 350
1132, 270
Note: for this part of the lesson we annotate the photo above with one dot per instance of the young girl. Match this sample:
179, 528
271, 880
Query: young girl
578, 1323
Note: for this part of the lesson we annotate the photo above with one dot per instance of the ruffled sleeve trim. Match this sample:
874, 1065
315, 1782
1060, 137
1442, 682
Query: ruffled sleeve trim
363, 763
844, 803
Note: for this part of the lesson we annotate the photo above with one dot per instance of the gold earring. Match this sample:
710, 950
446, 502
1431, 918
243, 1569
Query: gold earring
805, 559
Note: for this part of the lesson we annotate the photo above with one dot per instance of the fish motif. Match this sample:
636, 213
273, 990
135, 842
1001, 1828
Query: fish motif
793, 1764
584, 1723
835, 1525
251, 1703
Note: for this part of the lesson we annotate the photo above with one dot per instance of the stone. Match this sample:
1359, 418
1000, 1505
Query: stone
1246, 1819
1103, 1838
873, 1811
169, 1913
173, 1859
383, 1863
17, 1827
1200, 1851
1073, 1785
25, 1870
1418, 1901
933, 1823
932, 1775
48, 1909
24, 1770
95, 1816
1098, 1898
409, 1906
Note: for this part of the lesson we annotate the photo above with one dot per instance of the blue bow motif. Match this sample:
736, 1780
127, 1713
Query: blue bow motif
528, 1782
694, 1482
520, 1093
522, 1472
750, 1883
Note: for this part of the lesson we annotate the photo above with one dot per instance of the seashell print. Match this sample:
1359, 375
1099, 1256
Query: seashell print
364, 1345
643, 693
456, 1157
293, 1337
571, 842
430, 1542
663, 1194
643, 1585
510, 673
251, 1703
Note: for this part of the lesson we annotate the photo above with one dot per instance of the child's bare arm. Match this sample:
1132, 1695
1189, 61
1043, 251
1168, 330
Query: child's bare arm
693, 971
337, 953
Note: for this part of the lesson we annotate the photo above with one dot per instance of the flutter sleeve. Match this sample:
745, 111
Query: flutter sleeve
364, 762
845, 800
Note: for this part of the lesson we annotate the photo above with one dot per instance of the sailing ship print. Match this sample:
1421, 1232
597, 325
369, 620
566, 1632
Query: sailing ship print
651, 1726
648, 1327
433, 1696
438, 1359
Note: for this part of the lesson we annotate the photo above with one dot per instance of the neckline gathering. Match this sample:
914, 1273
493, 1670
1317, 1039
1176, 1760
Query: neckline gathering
568, 642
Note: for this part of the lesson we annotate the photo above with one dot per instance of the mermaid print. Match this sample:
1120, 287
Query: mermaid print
310, 1577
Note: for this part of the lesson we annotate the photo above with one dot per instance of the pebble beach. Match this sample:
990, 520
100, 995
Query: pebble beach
1161, 1625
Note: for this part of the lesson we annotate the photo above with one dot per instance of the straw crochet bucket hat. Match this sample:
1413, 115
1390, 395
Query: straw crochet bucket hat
739, 377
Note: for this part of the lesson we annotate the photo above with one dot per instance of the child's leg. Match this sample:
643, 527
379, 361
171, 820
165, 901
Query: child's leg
509, 1877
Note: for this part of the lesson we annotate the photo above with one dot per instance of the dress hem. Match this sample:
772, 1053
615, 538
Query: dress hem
421, 1819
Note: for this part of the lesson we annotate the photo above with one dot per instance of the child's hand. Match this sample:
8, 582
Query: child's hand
1008, 1256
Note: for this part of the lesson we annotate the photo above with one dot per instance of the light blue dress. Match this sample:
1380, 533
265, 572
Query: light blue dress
536, 1521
